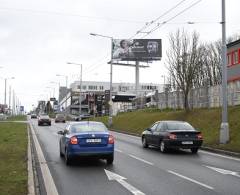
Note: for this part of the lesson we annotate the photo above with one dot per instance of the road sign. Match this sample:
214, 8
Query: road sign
21, 108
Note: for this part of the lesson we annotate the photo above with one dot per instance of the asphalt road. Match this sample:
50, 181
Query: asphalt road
146, 171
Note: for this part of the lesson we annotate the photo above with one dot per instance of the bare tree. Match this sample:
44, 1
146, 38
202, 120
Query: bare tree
184, 61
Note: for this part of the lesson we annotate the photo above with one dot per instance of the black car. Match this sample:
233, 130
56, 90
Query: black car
44, 119
172, 135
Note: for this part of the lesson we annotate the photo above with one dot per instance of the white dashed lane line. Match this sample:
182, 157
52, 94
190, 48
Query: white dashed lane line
192, 180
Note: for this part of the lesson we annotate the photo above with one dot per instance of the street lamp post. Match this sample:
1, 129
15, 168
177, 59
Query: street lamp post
5, 90
80, 87
66, 77
110, 90
224, 131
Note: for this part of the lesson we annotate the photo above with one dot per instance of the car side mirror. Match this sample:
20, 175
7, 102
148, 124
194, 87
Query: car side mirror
60, 132
149, 129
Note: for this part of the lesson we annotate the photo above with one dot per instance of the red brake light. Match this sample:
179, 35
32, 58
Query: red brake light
172, 136
199, 136
110, 139
73, 140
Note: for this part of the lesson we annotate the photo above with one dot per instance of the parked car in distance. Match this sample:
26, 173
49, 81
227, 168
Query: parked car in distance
86, 138
172, 135
44, 119
33, 115
60, 118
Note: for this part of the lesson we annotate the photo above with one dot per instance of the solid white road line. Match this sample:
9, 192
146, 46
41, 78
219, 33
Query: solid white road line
219, 155
192, 180
47, 177
117, 150
140, 159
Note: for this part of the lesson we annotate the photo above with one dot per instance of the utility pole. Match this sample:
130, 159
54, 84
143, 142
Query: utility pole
9, 104
5, 93
224, 131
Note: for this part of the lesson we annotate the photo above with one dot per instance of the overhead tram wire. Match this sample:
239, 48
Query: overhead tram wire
153, 21
68, 14
173, 17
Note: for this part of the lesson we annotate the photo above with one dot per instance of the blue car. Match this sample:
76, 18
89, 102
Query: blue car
86, 138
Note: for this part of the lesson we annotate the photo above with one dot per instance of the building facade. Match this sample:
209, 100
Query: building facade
233, 59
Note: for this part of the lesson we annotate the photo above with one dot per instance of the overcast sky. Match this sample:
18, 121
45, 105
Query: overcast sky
37, 38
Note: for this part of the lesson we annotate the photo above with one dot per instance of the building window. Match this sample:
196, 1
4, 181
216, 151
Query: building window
235, 57
229, 59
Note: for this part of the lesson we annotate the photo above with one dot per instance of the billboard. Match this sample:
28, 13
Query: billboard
137, 49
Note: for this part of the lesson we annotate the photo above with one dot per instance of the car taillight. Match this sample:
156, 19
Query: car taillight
199, 136
172, 136
110, 139
73, 140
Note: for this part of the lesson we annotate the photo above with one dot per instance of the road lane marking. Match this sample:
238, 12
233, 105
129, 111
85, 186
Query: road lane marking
47, 177
140, 159
219, 155
117, 150
224, 171
120, 179
192, 180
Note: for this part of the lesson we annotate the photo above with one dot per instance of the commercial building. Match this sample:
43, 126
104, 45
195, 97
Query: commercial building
95, 100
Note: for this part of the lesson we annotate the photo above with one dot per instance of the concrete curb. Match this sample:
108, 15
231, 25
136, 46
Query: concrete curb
218, 151
31, 185
47, 177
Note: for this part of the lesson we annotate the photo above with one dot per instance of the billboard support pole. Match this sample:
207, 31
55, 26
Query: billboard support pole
137, 78
110, 90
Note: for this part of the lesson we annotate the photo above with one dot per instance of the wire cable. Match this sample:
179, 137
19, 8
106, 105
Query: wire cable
153, 21
173, 17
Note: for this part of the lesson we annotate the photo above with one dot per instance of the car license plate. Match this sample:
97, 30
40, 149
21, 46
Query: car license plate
93, 140
187, 142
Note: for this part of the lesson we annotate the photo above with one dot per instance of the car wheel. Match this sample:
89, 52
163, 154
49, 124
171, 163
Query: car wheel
194, 150
163, 148
110, 159
39, 124
67, 158
144, 142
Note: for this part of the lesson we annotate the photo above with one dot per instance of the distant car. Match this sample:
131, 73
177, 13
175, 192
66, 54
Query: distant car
33, 115
60, 118
172, 135
86, 138
44, 119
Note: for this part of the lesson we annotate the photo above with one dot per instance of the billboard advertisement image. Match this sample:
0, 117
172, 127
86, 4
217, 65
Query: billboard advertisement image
137, 49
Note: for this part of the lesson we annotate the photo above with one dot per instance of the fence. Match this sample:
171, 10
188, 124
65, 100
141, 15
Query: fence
204, 97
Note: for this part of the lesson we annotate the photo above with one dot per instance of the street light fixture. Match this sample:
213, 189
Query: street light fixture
80, 86
110, 91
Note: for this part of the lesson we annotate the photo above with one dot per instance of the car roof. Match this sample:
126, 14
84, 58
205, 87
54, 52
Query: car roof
85, 122
172, 121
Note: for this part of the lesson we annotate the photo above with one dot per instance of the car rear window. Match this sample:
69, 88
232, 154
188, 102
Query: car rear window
179, 126
86, 127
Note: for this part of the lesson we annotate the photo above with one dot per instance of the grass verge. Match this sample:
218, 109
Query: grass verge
208, 121
13, 158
